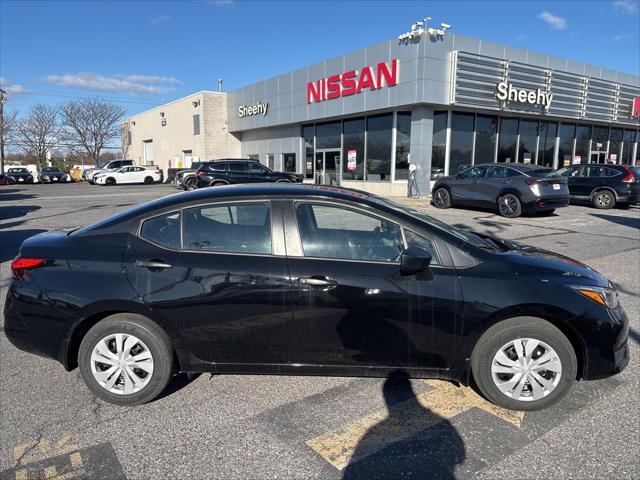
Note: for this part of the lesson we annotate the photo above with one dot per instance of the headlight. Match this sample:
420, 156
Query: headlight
604, 296
46, 177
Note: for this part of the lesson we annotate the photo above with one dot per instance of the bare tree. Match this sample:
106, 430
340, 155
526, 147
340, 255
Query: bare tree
8, 122
39, 132
91, 124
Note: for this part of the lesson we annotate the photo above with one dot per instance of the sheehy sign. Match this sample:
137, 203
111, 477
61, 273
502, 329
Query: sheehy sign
507, 92
354, 81
257, 109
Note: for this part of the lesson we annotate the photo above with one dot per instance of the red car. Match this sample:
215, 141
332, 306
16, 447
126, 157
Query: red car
3, 179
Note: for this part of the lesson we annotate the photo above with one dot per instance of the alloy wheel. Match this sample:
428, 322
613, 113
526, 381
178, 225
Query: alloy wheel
121, 363
441, 198
603, 199
526, 369
508, 205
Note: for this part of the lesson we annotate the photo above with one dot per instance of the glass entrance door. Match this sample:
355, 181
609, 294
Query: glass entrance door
598, 156
328, 167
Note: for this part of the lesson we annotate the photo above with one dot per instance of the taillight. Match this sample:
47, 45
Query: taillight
531, 181
630, 178
19, 265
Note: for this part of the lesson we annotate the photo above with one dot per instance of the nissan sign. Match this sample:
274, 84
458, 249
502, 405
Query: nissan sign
353, 81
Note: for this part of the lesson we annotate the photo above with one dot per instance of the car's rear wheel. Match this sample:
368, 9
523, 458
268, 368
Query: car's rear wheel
126, 359
148, 180
524, 363
217, 184
604, 199
283, 180
509, 206
190, 184
110, 181
441, 198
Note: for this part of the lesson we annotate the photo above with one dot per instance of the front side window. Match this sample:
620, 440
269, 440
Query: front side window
337, 232
415, 240
163, 230
256, 168
568, 172
475, 172
232, 228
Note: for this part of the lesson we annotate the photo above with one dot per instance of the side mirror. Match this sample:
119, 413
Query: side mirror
414, 260
459, 175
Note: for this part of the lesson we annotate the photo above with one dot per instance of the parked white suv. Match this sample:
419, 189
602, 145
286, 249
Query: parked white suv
90, 173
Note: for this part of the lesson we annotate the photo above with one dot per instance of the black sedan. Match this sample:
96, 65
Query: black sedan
53, 175
291, 279
19, 175
512, 189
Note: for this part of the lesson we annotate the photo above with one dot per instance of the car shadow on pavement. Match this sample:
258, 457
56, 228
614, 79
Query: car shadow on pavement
630, 221
11, 240
15, 211
412, 442
177, 383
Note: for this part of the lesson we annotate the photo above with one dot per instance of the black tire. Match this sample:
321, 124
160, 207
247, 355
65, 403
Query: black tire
546, 213
217, 183
157, 342
603, 199
441, 198
190, 184
148, 180
110, 181
509, 206
283, 180
500, 335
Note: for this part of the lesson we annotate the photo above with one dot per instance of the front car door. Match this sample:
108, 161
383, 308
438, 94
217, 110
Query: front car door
217, 275
465, 189
238, 173
354, 312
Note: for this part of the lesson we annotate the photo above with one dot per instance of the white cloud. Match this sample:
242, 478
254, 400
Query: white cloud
627, 6
621, 37
221, 3
11, 88
160, 18
135, 84
521, 38
555, 22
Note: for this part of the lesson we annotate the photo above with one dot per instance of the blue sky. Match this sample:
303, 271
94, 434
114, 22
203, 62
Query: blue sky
145, 53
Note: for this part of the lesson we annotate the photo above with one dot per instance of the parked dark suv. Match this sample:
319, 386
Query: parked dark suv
603, 185
230, 171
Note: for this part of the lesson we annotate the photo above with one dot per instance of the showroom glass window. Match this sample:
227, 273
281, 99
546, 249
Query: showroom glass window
307, 135
327, 135
583, 134
353, 138
627, 147
461, 140
528, 137
507, 140
565, 147
615, 141
438, 145
289, 161
599, 135
379, 133
403, 145
547, 145
231, 228
486, 131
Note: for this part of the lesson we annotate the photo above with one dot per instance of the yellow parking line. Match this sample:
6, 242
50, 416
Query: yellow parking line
50, 472
444, 400
21, 474
76, 460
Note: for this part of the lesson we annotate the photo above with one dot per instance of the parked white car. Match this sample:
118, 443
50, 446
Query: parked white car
128, 175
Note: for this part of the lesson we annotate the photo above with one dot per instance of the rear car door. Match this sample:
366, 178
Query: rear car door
223, 285
587, 180
239, 173
352, 306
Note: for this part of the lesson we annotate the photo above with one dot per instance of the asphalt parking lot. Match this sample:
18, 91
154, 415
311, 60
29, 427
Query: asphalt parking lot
254, 427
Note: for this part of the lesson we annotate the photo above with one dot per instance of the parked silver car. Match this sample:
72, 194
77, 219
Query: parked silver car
512, 189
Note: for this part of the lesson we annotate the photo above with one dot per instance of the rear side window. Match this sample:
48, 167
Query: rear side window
237, 167
611, 172
163, 230
217, 166
593, 171
233, 228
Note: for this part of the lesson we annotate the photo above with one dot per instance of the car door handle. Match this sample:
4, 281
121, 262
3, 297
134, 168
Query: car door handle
152, 264
317, 281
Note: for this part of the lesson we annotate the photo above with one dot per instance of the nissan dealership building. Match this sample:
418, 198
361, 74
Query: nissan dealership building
437, 101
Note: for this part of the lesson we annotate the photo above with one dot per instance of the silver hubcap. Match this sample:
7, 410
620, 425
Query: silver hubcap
526, 369
121, 364
603, 199
508, 205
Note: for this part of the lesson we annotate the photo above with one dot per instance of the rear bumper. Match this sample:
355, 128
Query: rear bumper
546, 203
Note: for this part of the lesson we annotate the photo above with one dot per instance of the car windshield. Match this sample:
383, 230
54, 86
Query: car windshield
51, 170
542, 173
464, 235
18, 170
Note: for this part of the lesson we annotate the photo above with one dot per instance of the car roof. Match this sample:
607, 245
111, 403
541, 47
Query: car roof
232, 160
517, 166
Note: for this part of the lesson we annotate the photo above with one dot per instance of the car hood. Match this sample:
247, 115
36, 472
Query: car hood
531, 262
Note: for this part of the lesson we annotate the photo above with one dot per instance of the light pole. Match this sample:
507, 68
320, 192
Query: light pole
2, 97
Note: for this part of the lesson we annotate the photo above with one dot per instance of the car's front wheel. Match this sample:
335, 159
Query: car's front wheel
524, 363
441, 198
148, 180
509, 206
110, 181
126, 359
